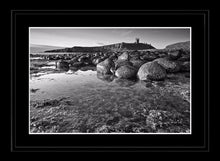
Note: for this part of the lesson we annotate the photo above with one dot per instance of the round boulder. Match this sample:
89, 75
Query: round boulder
126, 72
170, 66
62, 65
105, 66
151, 71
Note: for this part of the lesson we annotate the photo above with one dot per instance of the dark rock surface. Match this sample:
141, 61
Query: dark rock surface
137, 63
76, 64
151, 71
126, 72
173, 55
169, 65
120, 63
105, 66
62, 65
185, 66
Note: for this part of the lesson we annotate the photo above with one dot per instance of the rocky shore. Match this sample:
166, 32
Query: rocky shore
149, 65
164, 108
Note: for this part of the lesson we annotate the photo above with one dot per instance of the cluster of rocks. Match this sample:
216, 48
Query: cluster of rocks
76, 61
152, 65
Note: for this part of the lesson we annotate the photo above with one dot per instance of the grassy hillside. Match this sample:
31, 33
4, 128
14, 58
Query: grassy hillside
180, 45
106, 48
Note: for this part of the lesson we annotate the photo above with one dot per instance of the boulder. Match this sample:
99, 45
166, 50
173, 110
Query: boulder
124, 56
151, 71
96, 61
73, 60
76, 64
170, 66
84, 59
120, 63
62, 65
96, 54
126, 72
105, 66
184, 58
162, 55
113, 57
173, 55
135, 55
104, 57
149, 57
137, 63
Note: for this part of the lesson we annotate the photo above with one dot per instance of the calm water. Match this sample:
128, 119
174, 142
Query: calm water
73, 84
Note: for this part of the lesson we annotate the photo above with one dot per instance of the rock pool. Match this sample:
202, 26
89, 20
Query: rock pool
83, 101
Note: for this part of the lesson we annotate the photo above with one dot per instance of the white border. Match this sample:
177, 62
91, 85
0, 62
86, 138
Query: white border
115, 133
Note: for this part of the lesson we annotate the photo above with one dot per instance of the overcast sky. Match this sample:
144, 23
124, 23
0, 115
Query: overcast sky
69, 37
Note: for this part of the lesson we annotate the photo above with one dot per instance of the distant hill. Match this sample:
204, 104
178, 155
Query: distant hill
42, 48
180, 45
113, 47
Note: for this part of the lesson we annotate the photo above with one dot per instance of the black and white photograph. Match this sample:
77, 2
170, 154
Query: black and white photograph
110, 80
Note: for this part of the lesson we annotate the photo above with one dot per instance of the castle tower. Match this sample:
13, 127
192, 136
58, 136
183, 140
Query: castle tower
137, 40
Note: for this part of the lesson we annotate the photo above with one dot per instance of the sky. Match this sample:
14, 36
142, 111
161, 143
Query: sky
69, 37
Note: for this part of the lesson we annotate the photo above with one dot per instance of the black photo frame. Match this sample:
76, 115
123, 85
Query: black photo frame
21, 20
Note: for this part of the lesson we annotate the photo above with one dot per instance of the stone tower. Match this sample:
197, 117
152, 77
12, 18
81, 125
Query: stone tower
137, 40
